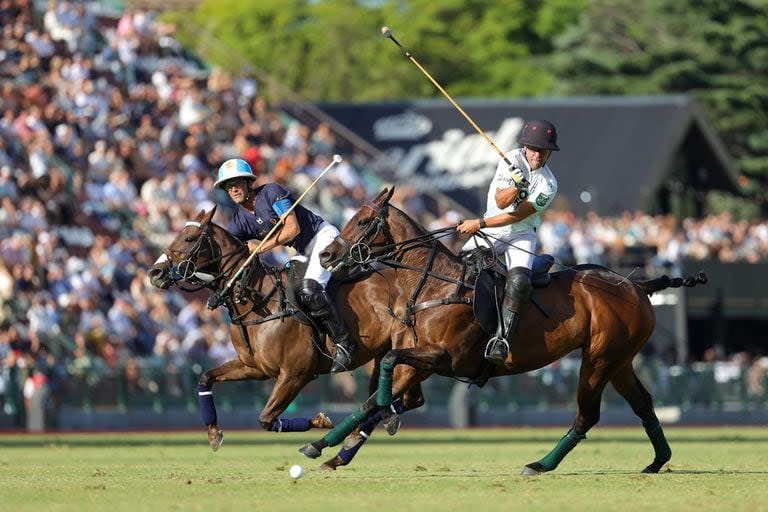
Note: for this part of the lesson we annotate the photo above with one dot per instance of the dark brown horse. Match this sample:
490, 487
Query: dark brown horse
589, 308
270, 342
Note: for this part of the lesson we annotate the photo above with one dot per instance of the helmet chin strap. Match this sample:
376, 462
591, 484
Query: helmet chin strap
245, 199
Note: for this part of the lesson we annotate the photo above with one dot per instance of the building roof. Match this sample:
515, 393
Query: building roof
617, 152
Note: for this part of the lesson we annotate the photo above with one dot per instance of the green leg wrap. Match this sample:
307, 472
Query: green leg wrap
565, 445
343, 429
384, 393
655, 433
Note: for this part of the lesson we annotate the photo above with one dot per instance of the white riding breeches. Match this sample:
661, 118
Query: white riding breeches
322, 239
519, 249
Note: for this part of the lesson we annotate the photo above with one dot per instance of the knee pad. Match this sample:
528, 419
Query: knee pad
518, 283
312, 294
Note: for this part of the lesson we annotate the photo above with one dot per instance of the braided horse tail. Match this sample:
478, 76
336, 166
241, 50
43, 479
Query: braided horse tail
662, 283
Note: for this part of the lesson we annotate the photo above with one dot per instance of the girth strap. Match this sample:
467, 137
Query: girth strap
440, 302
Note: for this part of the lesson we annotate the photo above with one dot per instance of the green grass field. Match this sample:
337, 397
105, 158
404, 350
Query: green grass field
446, 470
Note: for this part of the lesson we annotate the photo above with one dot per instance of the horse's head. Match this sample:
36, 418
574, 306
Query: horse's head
193, 256
359, 238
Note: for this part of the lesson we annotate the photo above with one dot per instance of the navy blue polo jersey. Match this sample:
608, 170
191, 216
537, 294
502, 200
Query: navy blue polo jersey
269, 202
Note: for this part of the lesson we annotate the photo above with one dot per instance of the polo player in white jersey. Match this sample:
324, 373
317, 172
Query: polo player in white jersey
511, 220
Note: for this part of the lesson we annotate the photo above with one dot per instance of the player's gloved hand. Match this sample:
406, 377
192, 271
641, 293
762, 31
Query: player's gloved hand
215, 300
518, 176
521, 184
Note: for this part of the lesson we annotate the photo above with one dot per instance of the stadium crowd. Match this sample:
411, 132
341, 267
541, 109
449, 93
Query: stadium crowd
110, 135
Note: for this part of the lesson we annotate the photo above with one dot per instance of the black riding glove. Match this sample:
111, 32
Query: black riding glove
215, 300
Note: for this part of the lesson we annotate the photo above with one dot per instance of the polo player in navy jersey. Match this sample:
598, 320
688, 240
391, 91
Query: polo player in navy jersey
257, 210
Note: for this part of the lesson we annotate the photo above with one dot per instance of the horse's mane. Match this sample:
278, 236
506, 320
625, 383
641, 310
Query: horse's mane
421, 231
232, 238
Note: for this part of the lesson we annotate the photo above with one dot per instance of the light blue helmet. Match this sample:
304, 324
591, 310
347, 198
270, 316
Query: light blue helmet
232, 169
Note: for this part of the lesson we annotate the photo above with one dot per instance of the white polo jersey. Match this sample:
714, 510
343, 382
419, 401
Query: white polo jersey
541, 191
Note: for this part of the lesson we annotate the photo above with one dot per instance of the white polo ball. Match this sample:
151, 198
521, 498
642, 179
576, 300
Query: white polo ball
296, 471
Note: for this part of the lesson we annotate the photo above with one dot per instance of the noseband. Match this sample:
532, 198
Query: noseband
187, 270
360, 252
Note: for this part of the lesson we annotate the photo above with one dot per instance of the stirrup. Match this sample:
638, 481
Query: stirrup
343, 359
497, 350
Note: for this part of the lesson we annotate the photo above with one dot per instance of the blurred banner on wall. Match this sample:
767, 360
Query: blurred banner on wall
617, 153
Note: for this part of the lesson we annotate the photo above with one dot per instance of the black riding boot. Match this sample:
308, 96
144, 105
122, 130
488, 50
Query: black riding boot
320, 304
516, 295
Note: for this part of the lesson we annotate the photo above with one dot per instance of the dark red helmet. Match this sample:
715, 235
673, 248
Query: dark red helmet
539, 134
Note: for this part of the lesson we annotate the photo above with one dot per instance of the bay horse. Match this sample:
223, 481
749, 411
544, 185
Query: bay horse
269, 340
589, 308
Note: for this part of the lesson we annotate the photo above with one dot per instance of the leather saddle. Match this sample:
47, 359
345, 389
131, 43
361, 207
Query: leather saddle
490, 281
296, 268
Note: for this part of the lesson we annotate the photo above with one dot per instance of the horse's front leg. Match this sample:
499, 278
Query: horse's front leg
425, 359
230, 371
339, 432
411, 399
421, 362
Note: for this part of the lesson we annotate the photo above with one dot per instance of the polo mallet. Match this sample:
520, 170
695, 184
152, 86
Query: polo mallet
336, 159
522, 186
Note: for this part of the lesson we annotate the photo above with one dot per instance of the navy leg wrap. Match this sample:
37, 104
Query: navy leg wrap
366, 428
370, 423
207, 409
290, 425
347, 454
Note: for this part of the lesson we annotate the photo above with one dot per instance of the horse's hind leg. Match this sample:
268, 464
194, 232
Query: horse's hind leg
629, 386
592, 381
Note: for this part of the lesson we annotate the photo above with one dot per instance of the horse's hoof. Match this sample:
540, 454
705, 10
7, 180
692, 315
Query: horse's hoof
321, 420
392, 424
215, 438
532, 469
310, 451
654, 467
331, 464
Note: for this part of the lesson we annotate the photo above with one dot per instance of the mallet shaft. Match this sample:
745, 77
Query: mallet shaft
386, 32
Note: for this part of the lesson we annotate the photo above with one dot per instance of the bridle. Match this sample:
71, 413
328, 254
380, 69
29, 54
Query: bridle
217, 267
360, 252
208, 274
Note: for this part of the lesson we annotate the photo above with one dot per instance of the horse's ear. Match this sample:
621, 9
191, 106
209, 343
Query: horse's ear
207, 216
385, 195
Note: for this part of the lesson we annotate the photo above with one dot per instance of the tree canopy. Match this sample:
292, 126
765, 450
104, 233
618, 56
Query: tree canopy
716, 51
332, 50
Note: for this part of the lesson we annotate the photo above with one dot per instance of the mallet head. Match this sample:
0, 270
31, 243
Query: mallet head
386, 32
337, 158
